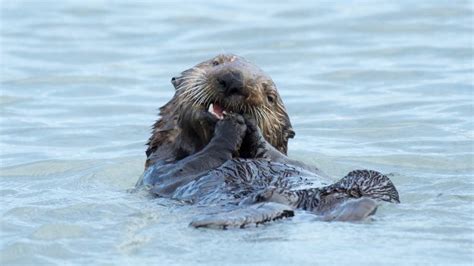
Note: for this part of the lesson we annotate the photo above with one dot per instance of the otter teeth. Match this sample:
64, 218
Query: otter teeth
216, 111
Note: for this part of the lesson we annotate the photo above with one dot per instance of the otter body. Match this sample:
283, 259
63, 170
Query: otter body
222, 141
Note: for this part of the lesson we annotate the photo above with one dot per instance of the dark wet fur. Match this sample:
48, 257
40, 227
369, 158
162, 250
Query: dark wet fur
230, 163
185, 126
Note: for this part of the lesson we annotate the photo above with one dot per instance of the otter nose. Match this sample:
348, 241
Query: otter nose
232, 83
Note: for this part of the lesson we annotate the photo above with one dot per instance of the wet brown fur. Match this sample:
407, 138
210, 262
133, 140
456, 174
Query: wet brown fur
183, 127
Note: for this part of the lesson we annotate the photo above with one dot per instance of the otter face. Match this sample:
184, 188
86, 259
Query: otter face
229, 83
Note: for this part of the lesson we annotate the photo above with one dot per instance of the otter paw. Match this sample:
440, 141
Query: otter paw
205, 118
253, 135
254, 144
232, 126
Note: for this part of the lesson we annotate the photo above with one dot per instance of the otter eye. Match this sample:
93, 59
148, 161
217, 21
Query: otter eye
215, 63
271, 98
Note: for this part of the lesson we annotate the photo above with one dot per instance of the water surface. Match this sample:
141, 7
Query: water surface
368, 84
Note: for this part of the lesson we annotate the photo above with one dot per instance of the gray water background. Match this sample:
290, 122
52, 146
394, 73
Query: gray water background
385, 85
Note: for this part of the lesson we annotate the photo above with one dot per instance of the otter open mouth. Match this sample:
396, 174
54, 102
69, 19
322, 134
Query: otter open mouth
216, 110
219, 112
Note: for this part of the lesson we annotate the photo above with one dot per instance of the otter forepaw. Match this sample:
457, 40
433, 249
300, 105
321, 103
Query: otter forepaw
232, 129
231, 124
205, 118
254, 144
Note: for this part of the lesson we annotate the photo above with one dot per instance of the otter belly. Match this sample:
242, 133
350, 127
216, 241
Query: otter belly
238, 179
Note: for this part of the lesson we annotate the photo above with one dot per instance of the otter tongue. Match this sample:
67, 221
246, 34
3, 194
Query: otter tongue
216, 110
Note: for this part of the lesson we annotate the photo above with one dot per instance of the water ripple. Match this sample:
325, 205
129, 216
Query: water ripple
368, 84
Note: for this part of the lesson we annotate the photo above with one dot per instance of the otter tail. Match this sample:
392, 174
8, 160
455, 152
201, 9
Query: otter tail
244, 216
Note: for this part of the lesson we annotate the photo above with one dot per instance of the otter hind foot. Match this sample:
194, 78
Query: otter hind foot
353, 198
244, 216
371, 184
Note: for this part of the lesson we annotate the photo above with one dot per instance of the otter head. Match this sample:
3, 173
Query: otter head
225, 83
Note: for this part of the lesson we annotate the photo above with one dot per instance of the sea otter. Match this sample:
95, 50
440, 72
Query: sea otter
222, 141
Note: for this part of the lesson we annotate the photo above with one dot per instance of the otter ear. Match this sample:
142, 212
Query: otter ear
175, 81
289, 133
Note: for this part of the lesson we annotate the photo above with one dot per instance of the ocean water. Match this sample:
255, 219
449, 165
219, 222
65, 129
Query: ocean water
384, 85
